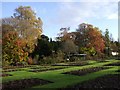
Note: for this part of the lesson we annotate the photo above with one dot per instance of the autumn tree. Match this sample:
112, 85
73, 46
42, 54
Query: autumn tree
20, 33
67, 41
63, 35
13, 52
27, 25
28, 22
90, 37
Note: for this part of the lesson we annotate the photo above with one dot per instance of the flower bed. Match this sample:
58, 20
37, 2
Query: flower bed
12, 70
46, 69
114, 64
107, 81
72, 64
5, 75
24, 83
85, 71
14, 67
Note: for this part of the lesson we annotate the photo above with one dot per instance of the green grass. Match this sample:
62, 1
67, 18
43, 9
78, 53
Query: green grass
61, 80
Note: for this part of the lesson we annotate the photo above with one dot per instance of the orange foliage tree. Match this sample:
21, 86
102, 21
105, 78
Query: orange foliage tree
89, 36
13, 49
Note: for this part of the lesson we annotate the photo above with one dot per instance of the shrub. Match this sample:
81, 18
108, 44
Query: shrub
36, 59
59, 57
30, 61
47, 60
12, 49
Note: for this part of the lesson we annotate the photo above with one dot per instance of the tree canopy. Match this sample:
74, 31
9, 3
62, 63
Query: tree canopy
20, 33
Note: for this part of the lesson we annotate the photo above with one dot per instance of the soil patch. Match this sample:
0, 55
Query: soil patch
102, 61
12, 70
47, 69
107, 81
114, 64
118, 71
86, 71
24, 83
14, 67
5, 75
72, 64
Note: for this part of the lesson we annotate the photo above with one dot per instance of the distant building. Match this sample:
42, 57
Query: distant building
114, 53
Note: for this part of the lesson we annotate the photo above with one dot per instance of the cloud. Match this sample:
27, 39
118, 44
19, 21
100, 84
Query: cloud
74, 13
113, 16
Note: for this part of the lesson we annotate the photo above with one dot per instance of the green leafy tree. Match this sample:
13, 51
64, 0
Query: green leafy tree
56, 46
117, 49
88, 51
107, 43
43, 47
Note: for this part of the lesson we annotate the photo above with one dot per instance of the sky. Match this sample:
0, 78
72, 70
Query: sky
56, 15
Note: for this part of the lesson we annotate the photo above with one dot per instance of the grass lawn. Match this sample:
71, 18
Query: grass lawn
61, 80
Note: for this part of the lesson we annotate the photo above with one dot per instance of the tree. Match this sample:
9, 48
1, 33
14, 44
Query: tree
90, 37
12, 49
67, 41
6, 28
63, 35
55, 45
69, 47
20, 33
43, 47
107, 42
26, 24
118, 50
115, 47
